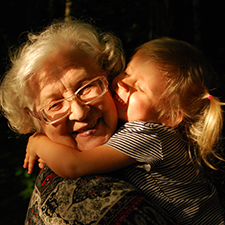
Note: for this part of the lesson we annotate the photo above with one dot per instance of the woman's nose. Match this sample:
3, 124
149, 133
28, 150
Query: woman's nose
78, 110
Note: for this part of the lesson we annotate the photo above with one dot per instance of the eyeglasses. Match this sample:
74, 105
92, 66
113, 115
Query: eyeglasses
57, 110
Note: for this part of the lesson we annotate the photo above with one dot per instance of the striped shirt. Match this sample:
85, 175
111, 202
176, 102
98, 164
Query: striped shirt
165, 173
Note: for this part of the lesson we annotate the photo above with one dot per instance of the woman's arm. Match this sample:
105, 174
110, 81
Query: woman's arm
70, 163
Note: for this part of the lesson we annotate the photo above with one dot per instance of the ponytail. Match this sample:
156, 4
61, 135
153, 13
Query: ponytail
207, 130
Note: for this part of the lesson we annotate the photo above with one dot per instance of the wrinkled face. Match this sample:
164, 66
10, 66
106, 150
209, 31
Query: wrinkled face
138, 91
87, 125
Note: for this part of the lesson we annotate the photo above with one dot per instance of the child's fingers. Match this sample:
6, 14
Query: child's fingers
30, 167
26, 161
41, 163
31, 163
28, 164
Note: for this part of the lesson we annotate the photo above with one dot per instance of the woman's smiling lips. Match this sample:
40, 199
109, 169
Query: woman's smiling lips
86, 131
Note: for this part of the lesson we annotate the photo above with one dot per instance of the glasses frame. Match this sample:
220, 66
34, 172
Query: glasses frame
40, 114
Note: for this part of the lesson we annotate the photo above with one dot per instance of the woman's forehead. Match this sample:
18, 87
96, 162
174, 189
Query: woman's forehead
61, 73
49, 85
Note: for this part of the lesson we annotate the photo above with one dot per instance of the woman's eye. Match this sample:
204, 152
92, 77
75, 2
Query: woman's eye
86, 90
86, 93
55, 106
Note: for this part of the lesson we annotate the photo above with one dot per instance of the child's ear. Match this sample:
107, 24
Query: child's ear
178, 116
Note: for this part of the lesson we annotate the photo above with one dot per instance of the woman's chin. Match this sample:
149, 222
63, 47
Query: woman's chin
66, 140
90, 143
89, 139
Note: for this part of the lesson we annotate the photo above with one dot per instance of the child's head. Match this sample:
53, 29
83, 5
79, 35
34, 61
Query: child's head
172, 72
177, 70
183, 67
138, 91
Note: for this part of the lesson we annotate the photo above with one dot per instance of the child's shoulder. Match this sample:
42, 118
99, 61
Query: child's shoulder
143, 124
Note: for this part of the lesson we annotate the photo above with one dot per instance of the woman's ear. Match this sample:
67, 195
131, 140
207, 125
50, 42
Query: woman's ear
173, 120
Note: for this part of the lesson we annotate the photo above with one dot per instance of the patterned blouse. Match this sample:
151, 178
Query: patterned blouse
91, 200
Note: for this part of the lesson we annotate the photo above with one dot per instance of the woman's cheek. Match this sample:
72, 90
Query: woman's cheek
58, 133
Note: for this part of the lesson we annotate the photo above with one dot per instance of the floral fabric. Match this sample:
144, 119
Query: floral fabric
89, 200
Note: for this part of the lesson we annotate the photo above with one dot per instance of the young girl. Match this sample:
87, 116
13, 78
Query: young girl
173, 126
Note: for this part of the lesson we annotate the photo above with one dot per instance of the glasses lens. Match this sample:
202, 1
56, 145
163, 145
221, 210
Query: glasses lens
91, 91
55, 111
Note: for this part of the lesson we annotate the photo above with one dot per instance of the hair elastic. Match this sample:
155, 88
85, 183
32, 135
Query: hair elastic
209, 97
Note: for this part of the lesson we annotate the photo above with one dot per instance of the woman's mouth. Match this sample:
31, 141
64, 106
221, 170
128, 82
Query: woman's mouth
93, 125
90, 130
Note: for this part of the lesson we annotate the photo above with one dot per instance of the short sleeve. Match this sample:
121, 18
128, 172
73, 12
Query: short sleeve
138, 140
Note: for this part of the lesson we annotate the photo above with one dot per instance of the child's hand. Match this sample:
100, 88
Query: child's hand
31, 155
41, 163
29, 162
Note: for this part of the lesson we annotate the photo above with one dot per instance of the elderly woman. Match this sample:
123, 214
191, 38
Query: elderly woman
58, 85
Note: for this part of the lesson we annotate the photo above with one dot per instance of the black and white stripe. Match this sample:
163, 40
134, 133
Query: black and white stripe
172, 182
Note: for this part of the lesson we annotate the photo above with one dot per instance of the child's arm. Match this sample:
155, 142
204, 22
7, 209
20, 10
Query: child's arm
31, 156
70, 163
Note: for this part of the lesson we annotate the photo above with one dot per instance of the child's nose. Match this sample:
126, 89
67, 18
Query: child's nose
128, 83
78, 110
122, 85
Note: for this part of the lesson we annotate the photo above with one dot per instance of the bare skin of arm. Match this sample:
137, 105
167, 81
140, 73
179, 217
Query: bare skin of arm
68, 162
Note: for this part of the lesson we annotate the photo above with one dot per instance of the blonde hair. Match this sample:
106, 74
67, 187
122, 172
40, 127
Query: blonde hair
185, 69
67, 37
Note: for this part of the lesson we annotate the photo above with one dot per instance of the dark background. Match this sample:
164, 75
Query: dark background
199, 22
